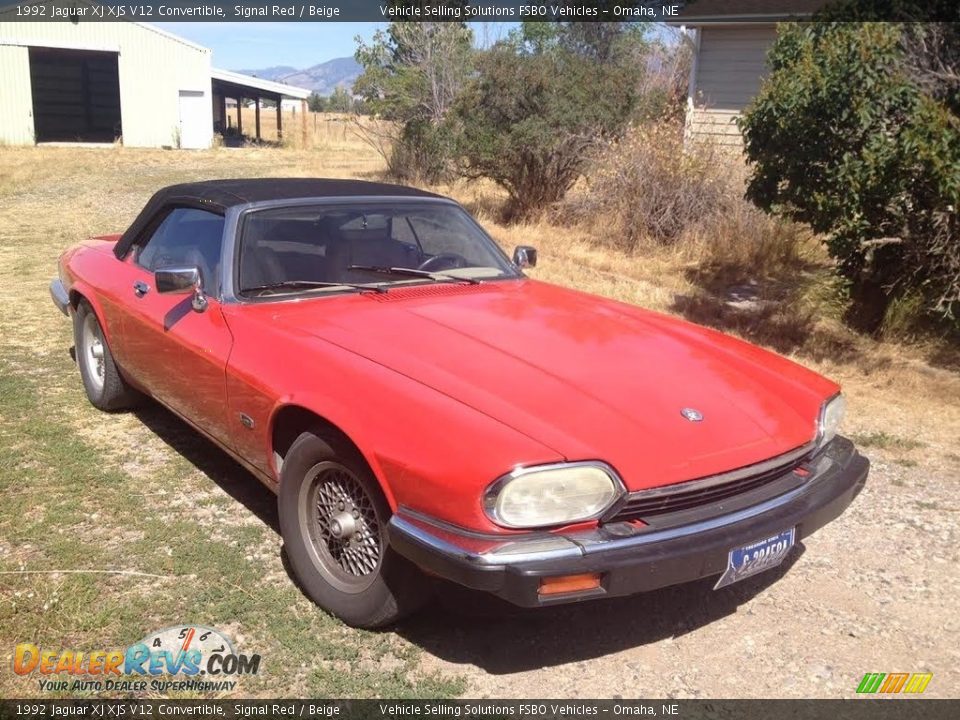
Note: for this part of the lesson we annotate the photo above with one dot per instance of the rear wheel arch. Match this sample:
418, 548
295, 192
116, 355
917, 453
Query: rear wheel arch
291, 421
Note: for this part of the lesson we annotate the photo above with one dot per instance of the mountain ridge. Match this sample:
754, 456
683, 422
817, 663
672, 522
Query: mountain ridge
322, 78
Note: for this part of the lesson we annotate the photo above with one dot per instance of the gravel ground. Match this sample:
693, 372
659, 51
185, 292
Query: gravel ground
875, 591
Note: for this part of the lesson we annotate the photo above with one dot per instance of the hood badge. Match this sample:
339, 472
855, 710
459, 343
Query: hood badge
691, 414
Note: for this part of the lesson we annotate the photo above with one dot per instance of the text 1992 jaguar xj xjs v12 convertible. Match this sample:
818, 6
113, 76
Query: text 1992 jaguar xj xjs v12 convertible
421, 407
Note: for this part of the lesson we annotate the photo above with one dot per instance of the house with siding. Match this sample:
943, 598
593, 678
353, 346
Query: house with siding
730, 40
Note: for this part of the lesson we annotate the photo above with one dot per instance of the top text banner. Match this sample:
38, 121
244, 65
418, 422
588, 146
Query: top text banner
694, 12
338, 10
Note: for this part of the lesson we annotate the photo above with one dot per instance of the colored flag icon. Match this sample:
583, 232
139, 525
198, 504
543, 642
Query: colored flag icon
892, 683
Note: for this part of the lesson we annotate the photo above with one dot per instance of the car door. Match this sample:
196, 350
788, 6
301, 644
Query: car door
176, 352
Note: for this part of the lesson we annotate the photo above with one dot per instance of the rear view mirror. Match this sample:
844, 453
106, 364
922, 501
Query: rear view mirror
176, 280
525, 256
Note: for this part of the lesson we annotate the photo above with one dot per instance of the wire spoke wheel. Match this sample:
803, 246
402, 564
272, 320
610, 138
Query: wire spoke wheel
340, 523
93, 351
334, 521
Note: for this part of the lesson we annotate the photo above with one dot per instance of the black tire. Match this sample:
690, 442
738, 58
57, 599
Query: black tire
349, 570
105, 387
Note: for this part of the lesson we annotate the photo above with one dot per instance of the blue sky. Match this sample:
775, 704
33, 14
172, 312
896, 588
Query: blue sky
256, 45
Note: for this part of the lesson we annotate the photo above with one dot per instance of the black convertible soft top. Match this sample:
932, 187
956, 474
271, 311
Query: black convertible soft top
218, 195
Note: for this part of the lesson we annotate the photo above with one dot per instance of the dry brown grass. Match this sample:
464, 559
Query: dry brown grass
140, 492
649, 189
52, 197
781, 297
646, 195
326, 132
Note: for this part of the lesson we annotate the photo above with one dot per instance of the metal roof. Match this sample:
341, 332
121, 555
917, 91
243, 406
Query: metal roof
255, 83
735, 11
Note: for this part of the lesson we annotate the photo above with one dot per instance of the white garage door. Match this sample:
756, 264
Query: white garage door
195, 127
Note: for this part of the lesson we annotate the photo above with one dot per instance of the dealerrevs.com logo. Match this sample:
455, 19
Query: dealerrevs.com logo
180, 658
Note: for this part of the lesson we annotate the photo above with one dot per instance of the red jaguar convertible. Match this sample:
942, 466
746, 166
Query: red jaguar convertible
421, 407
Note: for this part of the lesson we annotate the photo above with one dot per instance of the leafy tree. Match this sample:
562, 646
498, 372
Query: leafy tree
605, 42
360, 106
538, 105
931, 39
846, 136
341, 101
317, 103
413, 72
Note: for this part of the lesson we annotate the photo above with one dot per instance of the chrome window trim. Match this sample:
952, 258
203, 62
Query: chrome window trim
229, 263
144, 238
490, 495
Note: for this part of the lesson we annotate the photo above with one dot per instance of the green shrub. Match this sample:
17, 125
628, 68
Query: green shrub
847, 136
423, 152
412, 74
530, 119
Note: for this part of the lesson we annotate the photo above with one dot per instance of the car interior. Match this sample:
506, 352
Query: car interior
323, 249
282, 247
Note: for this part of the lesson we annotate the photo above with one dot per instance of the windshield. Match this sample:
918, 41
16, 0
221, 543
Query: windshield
330, 248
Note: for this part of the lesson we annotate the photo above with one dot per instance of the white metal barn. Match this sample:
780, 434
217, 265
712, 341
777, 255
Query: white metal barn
99, 82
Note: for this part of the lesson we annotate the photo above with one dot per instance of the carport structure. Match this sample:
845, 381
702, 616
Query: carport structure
226, 84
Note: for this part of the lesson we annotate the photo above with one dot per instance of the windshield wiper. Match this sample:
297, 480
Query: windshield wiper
413, 272
294, 284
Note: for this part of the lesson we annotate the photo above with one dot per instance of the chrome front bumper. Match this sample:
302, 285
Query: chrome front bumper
630, 558
60, 297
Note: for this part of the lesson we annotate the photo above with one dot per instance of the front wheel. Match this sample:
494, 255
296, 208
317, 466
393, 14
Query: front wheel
105, 387
333, 518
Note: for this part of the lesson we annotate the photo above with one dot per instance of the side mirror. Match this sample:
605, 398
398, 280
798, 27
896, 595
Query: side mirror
177, 280
525, 256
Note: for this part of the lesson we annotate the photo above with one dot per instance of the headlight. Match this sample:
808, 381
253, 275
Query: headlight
552, 495
831, 415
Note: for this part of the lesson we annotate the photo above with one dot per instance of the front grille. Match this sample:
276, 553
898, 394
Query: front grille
710, 491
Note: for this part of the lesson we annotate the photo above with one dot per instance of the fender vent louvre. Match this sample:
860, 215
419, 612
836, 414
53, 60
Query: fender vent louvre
423, 291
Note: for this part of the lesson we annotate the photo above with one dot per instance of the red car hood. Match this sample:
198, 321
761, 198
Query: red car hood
589, 378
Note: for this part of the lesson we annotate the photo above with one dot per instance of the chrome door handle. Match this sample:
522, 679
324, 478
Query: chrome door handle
140, 288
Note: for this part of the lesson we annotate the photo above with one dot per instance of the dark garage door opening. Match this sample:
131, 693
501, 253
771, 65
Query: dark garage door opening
76, 95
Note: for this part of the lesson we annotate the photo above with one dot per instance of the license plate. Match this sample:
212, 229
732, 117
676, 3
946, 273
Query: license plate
742, 562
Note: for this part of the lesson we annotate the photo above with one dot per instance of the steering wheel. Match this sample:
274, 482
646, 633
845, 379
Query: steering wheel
443, 261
